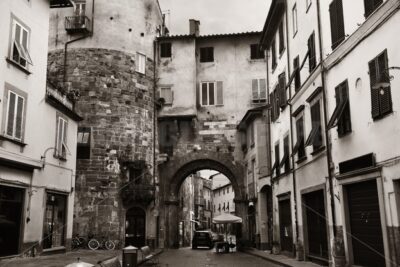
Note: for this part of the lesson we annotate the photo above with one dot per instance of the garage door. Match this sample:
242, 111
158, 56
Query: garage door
365, 224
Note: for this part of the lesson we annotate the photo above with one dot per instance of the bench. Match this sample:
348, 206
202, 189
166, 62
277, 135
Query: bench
147, 256
112, 262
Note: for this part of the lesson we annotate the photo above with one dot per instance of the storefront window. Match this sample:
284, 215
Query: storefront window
54, 222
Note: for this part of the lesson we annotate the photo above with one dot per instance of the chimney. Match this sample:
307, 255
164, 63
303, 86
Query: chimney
194, 27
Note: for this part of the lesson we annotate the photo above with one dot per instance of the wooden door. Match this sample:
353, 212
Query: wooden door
365, 224
285, 225
135, 234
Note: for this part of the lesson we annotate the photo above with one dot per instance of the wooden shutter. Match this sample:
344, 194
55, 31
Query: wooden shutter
198, 100
204, 94
296, 68
337, 22
385, 98
282, 90
220, 93
254, 89
273, 54
311, 49
370, 6
253, 51
272, 103
18, 119
262, 89
12, 99
374, 92
281, 38
316, 124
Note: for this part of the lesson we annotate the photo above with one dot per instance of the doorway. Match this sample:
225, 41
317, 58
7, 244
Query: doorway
11, 202
365, 224
285, 224
135, 234
314, 205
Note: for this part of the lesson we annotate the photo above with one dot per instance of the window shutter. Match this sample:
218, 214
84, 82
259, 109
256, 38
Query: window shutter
263, 89
198, 101
220, 93
271, 102
311, 49
211, 94
334, 23
385, 98
369, 7
18, 120
374, 92
204, 92
281, 38
254, 86
11, 113
282, 89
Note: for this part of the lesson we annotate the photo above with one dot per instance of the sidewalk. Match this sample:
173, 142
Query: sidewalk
281, 260
60, 260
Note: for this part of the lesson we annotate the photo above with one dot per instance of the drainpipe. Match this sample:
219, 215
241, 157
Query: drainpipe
291, 130
327, 138
74, 40
154, 133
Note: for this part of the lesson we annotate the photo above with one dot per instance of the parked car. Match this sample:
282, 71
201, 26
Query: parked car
202, 239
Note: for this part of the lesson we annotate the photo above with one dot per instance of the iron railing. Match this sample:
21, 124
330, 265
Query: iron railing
77, 24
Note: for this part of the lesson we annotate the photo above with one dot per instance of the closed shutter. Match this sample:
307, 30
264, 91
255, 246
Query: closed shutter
272, 103
369, 7
211, 94
337, 22
281, 38
18, 119
311, 48
374, 93
204, 94
198, 100
11, 113
296, 67
339, 98
254, 89
263, 89
220, 93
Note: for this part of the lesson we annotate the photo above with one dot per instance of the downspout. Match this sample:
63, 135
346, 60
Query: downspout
328, 147
74, 40
154, 134
291, 130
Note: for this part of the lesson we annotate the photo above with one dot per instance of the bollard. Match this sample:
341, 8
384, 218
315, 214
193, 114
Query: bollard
130, 256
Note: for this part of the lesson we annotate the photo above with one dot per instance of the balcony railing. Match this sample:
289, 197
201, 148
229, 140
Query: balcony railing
77, 24
137, 193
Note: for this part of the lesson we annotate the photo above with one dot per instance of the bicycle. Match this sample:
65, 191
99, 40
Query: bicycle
93, 244
78, 242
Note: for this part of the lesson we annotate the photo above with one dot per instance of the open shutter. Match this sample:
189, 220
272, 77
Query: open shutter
18, 119
311, 49
385, 98
263, 89
220, 93
374, 92
11, 113
198, 94
254, 89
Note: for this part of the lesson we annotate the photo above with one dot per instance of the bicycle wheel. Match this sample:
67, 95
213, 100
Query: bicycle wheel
110, 245
93, 244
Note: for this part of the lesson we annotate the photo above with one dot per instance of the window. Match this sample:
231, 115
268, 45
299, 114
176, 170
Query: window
250, 135
281, 38
371, 5
256, 52
79, 9
315, 137
299, 148
61, 137
223, 191
285, 159
211, 93
297, 76
207, 54
381, 98
219, 207
140, 63
20, 44
294, 18
282, 90
312, 60
167, 94
54, 221
14, 125
83, 148
259, 90
253, 171
341, 114
337, 22
165, 49
274, 102
227, 190
273, 54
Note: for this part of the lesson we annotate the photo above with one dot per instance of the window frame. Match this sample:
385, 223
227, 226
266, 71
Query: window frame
259, 99
8, 89
141, 68
83, 145
208, 94
23, 52
61, 148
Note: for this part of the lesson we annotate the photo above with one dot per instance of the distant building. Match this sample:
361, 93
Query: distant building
38, 136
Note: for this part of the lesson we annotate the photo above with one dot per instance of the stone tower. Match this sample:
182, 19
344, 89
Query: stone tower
102, 55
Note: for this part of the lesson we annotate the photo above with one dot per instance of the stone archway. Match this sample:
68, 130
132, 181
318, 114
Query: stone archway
175, 171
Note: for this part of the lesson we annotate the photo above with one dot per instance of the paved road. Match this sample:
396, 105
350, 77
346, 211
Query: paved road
186, 257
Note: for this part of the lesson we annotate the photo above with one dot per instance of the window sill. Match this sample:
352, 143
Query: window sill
302, 159
257, 59
17, 142
318, 150
18, 66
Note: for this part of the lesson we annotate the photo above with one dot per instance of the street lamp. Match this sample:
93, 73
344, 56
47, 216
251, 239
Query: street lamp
383, 84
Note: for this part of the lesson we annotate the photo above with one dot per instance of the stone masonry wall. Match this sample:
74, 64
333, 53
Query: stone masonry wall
117, 103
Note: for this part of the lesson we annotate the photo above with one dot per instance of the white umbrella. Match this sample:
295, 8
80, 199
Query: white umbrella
80, 264
227, 218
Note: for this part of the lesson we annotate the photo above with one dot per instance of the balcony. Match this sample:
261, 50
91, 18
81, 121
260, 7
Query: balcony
137, 194
77, 24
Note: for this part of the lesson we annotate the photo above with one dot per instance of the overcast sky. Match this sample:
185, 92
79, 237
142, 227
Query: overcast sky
216, 16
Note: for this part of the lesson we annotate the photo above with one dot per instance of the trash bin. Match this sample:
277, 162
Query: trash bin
130, 256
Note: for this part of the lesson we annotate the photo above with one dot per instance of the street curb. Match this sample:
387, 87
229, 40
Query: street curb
266, 258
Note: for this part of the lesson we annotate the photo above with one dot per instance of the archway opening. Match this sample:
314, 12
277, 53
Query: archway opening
203, 195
